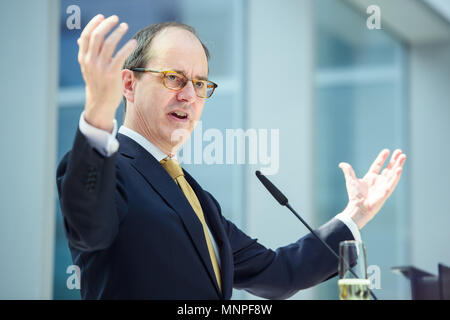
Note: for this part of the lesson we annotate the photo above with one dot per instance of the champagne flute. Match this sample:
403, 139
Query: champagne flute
353, 282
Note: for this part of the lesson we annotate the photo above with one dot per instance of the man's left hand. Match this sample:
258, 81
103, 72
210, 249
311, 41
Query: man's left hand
366, 196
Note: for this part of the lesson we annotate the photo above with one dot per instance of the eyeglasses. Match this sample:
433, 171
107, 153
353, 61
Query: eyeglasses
176, 81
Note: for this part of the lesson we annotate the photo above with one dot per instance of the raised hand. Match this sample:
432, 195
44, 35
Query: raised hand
366, 196
101, 71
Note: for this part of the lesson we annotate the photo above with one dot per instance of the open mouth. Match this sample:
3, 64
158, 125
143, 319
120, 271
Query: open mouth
179, 115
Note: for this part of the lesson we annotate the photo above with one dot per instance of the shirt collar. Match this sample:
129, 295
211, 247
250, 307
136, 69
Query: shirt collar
144, 143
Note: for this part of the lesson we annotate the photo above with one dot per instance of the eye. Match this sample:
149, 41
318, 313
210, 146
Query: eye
199, 84
172, 77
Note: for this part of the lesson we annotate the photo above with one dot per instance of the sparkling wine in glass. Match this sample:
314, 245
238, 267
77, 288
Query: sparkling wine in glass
353, 282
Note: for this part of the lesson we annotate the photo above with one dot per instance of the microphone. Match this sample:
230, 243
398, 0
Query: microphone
281, 198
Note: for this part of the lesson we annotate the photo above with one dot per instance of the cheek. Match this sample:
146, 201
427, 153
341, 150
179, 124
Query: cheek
156, 105
198, 109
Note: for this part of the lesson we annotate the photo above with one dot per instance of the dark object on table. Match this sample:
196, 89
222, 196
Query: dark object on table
427, 286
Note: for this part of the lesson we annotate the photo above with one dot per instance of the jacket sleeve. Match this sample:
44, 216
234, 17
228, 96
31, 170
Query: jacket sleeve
92, 196
280, 273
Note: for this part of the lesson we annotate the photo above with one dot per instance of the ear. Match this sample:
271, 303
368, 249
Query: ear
128, 81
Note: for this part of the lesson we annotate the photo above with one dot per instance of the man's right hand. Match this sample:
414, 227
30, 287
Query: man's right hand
101, 71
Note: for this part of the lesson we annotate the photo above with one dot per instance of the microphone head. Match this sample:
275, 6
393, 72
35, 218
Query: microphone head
277, 194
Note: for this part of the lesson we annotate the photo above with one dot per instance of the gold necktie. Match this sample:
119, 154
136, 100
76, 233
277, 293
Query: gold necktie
175, 171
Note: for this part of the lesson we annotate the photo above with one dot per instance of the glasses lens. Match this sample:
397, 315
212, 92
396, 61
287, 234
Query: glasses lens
204, 88
201, 88
174, 80
210, 89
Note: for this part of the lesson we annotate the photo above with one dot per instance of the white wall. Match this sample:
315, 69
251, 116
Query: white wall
29, 64
430, 156
280, 46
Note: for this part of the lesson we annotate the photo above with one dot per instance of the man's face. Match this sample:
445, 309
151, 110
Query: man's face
155, 106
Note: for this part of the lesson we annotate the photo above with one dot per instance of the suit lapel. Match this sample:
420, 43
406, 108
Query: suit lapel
164, 185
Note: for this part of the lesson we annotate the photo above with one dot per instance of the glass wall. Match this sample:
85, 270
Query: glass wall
219, 25
360, 109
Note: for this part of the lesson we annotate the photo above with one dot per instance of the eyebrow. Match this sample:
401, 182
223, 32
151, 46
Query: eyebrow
196, 78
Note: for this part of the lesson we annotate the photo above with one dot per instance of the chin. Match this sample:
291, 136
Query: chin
179, 134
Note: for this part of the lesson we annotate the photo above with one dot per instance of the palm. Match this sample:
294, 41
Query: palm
370, 193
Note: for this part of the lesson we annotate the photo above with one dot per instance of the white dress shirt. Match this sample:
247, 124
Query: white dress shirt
107, 144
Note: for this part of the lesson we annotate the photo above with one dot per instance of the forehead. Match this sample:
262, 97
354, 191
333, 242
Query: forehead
179, 49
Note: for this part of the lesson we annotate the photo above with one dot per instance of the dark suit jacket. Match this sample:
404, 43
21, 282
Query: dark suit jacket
134, 235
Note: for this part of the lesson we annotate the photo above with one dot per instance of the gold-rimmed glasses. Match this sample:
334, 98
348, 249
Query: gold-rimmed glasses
176, 81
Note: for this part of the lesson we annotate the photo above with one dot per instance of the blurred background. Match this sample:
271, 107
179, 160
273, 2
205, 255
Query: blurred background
334, 88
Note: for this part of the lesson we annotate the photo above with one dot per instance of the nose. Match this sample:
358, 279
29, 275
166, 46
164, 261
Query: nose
187, 94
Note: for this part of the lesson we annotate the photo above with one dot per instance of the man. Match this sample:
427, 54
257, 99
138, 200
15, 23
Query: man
138, 225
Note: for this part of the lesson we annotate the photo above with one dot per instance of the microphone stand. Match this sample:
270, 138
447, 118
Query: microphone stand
281, 198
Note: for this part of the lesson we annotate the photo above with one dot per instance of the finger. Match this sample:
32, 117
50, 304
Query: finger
399, 163
83, 40
379, 162
397, 170
110, 44
348, 170
391, 163
401, 160
123, 53
394, 158
97, 36
394, 179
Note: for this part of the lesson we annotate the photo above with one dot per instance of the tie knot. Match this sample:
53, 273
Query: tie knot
172, 167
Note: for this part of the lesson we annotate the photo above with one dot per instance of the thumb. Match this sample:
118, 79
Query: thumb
347, 170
